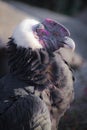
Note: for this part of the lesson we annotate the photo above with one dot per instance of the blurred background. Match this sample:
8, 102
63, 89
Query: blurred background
71, 13
69, 7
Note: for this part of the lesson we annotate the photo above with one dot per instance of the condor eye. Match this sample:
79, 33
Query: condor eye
55, 33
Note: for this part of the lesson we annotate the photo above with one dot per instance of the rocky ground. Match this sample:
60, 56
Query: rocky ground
12, 13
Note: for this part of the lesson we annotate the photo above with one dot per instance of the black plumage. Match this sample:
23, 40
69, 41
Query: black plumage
28, 65
37, 90
60, 92
15, 91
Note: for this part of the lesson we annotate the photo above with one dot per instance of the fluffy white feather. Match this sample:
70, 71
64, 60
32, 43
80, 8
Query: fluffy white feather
23, 34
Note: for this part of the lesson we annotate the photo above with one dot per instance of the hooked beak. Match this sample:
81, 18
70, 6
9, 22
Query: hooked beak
69, 43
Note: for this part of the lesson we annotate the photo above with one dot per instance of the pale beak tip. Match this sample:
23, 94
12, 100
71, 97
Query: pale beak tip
69, 43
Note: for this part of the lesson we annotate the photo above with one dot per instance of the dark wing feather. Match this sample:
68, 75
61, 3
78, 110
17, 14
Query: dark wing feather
27, 64
25, 113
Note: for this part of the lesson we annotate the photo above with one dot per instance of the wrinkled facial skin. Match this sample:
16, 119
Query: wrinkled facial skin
53, 35
59, 94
